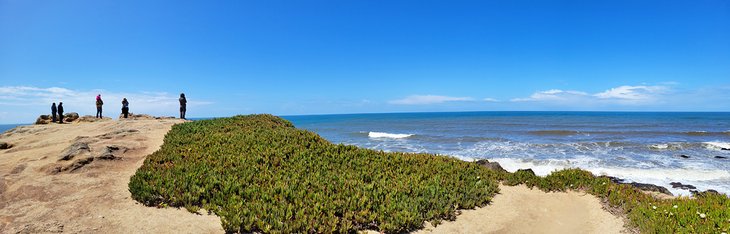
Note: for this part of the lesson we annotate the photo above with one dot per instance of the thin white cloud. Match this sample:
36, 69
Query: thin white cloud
490, 100
553, 95
428, 99
625, 95
627, 92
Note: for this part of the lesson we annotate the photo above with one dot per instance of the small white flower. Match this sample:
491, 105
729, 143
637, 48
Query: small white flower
478, 177
670, 213
675, 206
604, 183
703, 215
653, 207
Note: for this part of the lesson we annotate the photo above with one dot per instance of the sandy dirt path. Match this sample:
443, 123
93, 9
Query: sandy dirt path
87, 193
518, 209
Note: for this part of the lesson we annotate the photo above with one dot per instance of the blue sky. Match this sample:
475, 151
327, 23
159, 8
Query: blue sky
319, 57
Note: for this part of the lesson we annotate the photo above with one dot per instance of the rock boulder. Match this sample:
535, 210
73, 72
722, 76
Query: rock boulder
5, 145
682, 186
70, 117
644, 187
652, 188
75, 149
43, 119
494, 166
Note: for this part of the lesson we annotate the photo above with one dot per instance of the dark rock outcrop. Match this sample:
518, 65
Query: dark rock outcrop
5, 145
642, 186
70, 117
683, 186
720, 157
112, 152
651, 188
78, 164
494, 166
705, 193
74, 150
683, 156
43, 119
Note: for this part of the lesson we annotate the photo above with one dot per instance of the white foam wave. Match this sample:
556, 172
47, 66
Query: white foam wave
659, 146
670, 146
541, 167
388, 135
716, 145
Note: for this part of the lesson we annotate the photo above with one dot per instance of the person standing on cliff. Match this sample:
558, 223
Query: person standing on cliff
125, 107
60, 112
99, 103
53, 112
183, 105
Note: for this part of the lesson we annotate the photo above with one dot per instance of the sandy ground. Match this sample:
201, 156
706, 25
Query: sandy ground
518, 209
39, 193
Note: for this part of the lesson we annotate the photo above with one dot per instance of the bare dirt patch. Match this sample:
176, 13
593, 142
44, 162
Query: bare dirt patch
73, 178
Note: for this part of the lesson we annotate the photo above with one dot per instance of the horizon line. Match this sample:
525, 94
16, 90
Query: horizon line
436, 112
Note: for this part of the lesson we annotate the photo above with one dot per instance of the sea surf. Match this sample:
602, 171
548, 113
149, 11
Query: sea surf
646, 147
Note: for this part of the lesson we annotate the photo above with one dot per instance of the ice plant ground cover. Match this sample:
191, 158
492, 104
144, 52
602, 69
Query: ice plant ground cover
260, 173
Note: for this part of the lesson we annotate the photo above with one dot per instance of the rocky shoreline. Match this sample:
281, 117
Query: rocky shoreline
495, 166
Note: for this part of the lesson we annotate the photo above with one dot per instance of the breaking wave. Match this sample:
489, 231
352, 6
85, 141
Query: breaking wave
388, 135
716, 145
554, 132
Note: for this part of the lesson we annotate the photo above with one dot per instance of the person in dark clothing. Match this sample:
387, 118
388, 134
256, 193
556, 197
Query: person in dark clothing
125, 107
53, 112
183, 105
99, 103
60, 112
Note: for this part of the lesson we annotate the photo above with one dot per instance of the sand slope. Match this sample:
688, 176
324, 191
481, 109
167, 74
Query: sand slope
40, 193
518, 209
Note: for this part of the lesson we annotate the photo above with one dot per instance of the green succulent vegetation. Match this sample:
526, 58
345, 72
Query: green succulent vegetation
705, 213
260, 173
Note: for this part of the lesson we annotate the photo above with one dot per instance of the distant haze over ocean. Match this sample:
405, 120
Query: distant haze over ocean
638, 146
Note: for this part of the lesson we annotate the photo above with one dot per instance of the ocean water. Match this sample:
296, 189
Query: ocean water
638, 146
6, 127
